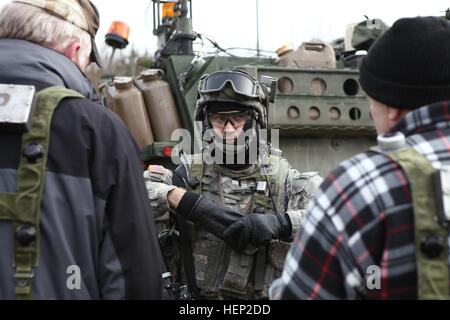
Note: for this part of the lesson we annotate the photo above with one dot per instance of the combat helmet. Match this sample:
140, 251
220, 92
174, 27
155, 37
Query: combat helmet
234, 86
241, 90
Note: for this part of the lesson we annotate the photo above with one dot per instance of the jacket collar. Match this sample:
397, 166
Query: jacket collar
24, 62
426, 118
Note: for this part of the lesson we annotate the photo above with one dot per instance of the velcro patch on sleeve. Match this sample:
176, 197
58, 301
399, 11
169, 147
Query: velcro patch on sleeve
156, 169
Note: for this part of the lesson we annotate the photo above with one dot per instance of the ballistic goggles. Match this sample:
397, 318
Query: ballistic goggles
241, 83
236, 119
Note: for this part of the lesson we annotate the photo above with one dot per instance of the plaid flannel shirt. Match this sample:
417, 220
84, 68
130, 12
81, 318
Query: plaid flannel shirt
362, 216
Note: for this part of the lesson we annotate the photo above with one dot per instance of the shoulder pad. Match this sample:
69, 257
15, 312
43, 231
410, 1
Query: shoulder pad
305, 180
276, 166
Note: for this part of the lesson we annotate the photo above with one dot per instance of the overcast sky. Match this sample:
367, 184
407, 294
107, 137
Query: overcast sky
232, 23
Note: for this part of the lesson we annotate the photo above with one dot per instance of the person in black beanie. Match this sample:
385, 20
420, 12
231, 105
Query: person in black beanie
377, 228
409, 66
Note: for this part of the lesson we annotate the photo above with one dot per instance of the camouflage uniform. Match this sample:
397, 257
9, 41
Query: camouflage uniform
221, 272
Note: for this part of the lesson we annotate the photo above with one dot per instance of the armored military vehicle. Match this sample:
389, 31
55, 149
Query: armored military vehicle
320, 111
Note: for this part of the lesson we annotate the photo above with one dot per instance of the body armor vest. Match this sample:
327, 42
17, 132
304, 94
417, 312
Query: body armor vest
221, 272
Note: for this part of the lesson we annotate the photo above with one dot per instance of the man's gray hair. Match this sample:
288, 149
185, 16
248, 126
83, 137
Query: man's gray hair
26, 22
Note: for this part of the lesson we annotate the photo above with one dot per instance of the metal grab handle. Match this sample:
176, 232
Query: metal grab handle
314, 46
160, 72
151, 74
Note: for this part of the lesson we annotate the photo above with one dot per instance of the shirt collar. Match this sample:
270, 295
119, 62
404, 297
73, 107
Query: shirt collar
425, 118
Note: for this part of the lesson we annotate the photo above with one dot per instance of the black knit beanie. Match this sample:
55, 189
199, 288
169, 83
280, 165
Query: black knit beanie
409, 65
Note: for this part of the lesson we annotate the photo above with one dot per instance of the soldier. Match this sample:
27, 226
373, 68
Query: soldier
238, 191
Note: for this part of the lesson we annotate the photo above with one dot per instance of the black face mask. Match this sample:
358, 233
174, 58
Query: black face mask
234, 155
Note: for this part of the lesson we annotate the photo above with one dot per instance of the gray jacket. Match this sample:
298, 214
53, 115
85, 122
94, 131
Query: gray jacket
95, 216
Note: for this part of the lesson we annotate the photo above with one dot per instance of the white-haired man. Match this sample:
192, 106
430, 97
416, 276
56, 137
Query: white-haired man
85, 232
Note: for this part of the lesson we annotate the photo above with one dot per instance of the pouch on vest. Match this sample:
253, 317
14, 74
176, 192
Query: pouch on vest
208, 256
238, 273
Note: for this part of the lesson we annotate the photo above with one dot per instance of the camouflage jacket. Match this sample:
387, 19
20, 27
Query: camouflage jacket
221, 272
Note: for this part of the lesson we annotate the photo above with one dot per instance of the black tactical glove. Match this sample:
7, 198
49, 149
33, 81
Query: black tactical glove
206, 213
236, 230
257, 229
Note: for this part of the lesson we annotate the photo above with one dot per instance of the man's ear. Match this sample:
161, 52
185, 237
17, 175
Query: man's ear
71, 50
395, 114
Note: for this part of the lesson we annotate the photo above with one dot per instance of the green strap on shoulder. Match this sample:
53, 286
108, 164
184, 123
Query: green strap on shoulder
262, 200
281, 171
196, 172
432, 273
23, 207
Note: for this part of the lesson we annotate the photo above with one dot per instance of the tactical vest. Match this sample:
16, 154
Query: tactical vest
221, 272
23, 207
430, 236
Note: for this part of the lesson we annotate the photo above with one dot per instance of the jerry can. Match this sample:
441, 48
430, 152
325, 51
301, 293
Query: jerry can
315, 54
160, 103
285, 56
127, 101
